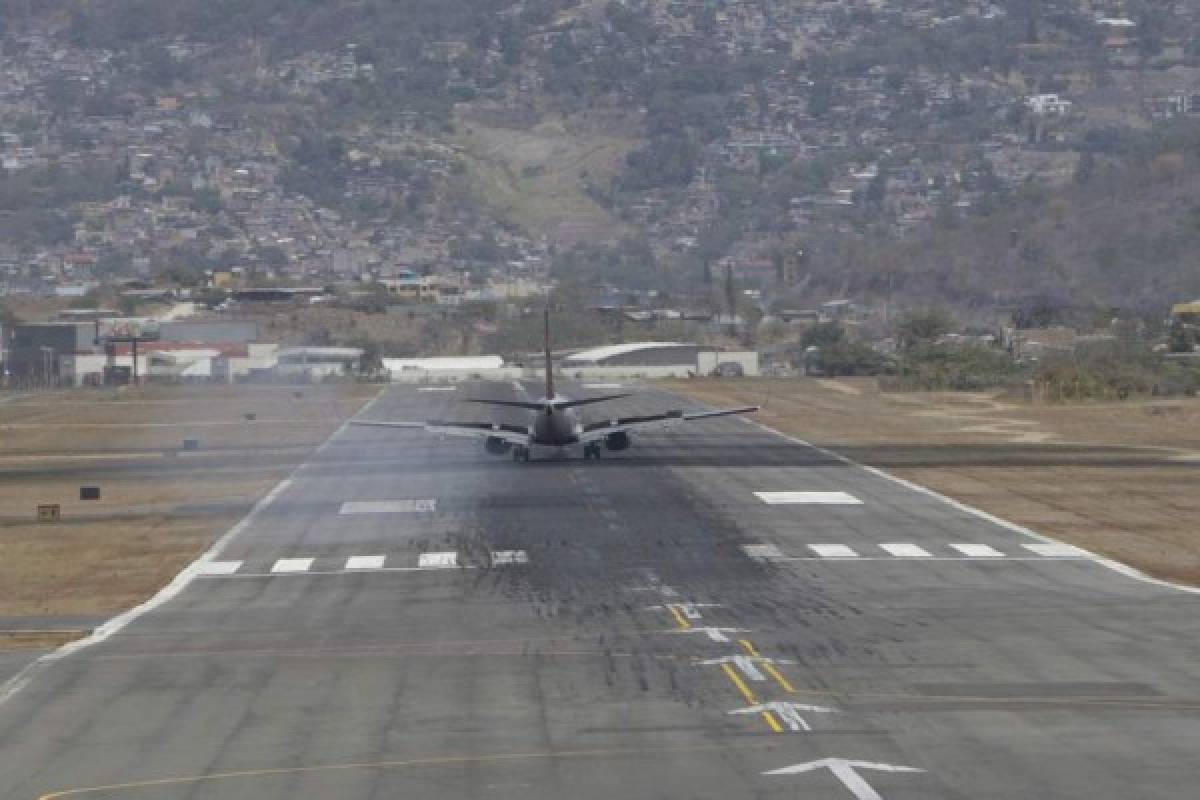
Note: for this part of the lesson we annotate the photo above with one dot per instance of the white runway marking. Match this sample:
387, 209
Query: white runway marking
833, 551
365, 562
503, 557
788, 712
714, 634
292, 565
904, 550
747, 665
762, 552
447, 560
220, 568
846, 772
1107, 563
1055, 550
437, 389
604, 386
978, 550
410, 506
808, 498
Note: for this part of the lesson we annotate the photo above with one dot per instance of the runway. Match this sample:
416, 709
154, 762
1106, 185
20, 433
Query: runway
717, 612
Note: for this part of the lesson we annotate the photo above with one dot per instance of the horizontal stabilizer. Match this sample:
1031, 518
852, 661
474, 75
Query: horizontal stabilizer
526, 404
369, 424
587, 401
535, 405
724, 412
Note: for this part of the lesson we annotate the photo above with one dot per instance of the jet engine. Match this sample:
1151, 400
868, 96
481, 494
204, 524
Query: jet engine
617, 441
497, 446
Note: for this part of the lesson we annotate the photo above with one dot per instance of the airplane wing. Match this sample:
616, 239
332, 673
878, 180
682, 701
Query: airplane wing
515, 434
598, 430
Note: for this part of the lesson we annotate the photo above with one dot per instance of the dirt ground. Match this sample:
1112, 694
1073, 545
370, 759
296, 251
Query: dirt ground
1117, 479
160, 505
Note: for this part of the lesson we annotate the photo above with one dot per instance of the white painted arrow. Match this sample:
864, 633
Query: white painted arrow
845, 771
788, 712
746, 664
715, 634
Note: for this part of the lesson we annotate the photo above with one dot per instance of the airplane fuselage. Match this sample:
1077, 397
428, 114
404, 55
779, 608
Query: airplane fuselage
554, 427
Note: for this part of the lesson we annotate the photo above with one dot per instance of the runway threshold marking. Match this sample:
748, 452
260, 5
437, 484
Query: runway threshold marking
977, 550
365, 562
292, 565
762, 552
808, 498
1056, 550
353, 564
415, 505
905, 550
833, 551
446, 560
220, 567
506, 557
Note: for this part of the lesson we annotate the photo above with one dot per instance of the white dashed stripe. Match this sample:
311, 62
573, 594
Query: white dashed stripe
292, 565
762, 552
978, 550
503, 557
905, 550
220, 567
365, 562
1056, 550
833, 551
409, 506
808, 498
446, 560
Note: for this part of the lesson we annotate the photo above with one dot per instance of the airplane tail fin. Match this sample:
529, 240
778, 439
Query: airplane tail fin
549, 364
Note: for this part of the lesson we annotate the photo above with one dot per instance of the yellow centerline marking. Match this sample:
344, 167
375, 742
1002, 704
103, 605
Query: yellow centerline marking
740, 684
771, 721
748, 646
380, 765
774, 673
680, 619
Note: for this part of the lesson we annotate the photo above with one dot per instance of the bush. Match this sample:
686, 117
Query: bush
844, 357
1114, 371
936, 367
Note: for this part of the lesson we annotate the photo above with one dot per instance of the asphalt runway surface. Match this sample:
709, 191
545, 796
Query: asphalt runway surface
409, 616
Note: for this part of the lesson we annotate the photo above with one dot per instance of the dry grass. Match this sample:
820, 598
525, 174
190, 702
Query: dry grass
1119, 479
535, 175
159, 508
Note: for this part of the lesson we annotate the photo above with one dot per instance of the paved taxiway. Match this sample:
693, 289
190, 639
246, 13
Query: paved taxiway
666, 634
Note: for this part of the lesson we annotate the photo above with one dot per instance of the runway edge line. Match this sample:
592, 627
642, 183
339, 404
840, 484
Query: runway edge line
1112, 564
15, 684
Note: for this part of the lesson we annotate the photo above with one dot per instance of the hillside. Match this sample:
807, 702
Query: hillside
535, 176
926, 151
1123, 235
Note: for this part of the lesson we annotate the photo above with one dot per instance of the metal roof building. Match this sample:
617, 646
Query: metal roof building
636, 354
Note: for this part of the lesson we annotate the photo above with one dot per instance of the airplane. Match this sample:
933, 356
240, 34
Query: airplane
554, 423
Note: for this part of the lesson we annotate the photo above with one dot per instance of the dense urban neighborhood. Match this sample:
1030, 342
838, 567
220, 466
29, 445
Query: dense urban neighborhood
415, 179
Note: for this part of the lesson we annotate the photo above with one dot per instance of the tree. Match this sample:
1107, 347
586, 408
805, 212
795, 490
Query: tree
915, 328
823, 334
1182, 339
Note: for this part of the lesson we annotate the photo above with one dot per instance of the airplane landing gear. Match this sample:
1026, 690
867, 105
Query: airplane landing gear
591, 450
520, 453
